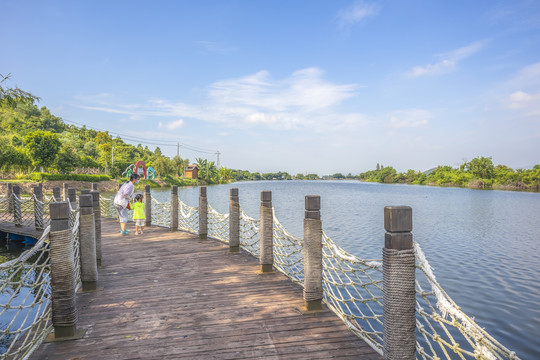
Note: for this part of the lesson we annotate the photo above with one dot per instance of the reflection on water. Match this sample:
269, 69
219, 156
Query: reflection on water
483, 245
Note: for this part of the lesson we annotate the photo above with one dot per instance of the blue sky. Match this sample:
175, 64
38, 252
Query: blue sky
298, 86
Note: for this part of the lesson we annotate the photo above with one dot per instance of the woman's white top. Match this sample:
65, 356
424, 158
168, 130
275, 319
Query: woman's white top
124, 194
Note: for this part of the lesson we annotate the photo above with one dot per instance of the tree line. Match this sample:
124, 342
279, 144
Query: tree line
480, 172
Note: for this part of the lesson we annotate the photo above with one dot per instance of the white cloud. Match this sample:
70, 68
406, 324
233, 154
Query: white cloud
356, 12
409, 118
448, 61
528, 103
174, 124
522, 92
304, 99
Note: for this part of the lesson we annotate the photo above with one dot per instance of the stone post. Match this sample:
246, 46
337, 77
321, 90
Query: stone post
64, 311
234, 221
56, 193
9, 196
65, 192
72, 197
147, 205
17, 211
85, 191
87, 235
266, 236
399, 323
38, 208
313, 291
174, 208
94, 187
203, 213
97, 224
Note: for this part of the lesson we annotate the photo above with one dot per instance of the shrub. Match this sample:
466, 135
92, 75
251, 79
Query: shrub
75, 177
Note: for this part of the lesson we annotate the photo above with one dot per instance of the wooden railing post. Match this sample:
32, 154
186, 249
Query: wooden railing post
38, 208
87, 235
399, 323
266, 237
313, 291
203, 213
234, 221
72, 197
174, 208
97, 224
64, 311
65, 194
56, 193
10, 199
147, 205
17, 212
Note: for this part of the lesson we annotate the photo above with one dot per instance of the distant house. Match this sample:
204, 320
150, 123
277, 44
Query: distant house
192, 172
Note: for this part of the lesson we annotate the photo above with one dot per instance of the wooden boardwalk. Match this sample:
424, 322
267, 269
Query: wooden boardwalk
170, 295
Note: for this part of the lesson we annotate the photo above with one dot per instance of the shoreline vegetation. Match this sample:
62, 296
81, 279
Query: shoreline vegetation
38, 147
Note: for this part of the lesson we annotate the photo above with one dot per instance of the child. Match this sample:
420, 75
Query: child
138, 214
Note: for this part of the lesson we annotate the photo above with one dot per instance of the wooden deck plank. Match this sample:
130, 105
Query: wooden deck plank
172, 296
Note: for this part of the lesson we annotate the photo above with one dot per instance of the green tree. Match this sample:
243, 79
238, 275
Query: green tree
67, 159
165, 166
13, 96
481, 167
207, 170
42, 146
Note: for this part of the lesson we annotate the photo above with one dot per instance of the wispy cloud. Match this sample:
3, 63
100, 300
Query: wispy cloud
215, 47
173, 125
409, 118
356, 12
447, 62
302, 100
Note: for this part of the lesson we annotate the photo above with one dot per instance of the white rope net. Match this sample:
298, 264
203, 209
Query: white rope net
161, 213
288, 252
25, 287
26, 211
249, 234
353, 288
218, 225
188, 217
25, 297
443, 330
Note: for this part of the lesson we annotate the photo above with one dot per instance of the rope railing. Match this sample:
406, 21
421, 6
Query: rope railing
188, 217
26, 287
288, 252
25, 295
218, 225
26, 211
446, 331
249, 234
161, 213
353, 290
353, 287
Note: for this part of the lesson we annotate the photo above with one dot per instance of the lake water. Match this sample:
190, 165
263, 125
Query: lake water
482, 245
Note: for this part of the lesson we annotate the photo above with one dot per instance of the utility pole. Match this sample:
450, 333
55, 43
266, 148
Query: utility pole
217, 153
177, 149
112, 157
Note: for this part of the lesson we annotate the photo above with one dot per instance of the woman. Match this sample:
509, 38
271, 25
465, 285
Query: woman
122, 199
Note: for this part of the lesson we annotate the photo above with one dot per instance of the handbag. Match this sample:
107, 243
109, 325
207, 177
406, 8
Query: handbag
128, 207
